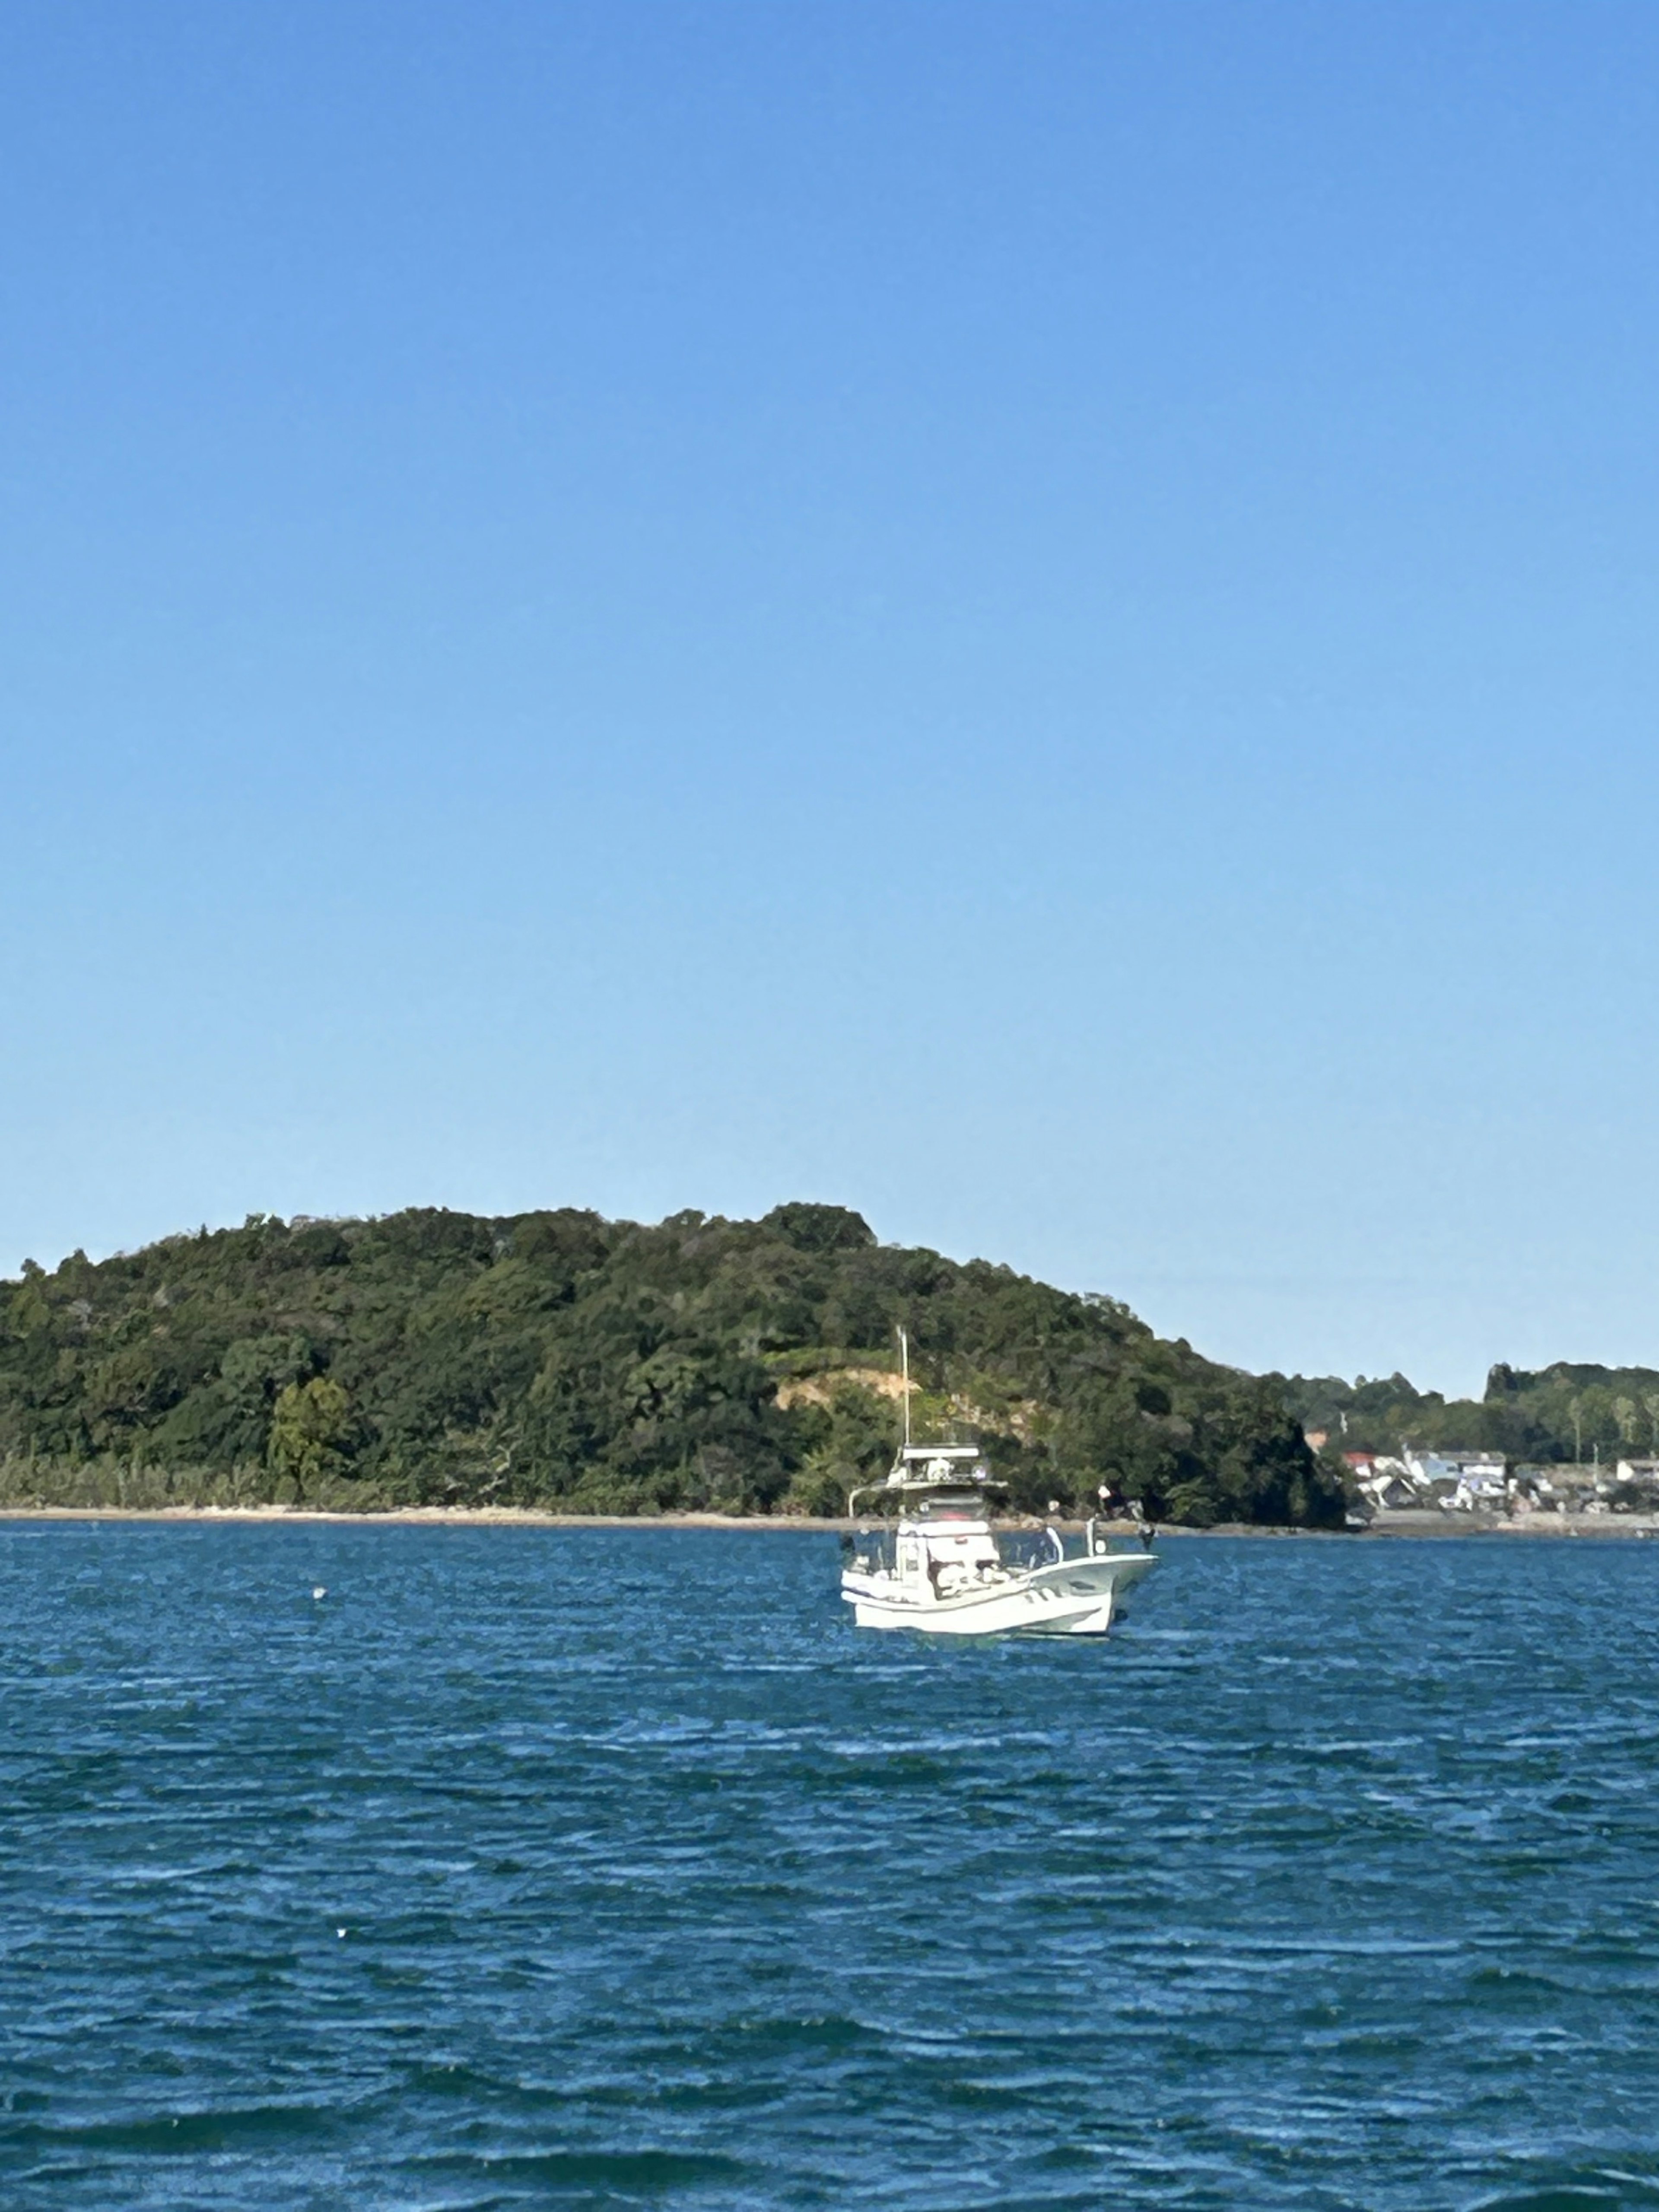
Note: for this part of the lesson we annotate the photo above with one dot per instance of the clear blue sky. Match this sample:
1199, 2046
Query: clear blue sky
1040, 619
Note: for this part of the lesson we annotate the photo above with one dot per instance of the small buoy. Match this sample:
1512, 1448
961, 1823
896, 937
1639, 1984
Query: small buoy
340, 1932
319, 1593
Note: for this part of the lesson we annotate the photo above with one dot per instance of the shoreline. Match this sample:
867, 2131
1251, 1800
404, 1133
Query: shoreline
418, 1516
1430, 1527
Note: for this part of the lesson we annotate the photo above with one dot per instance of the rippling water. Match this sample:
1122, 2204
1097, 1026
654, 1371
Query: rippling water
597, 1868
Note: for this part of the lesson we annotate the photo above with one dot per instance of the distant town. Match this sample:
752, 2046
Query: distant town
1486, 1484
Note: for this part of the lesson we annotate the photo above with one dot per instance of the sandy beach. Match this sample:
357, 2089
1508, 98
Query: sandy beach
1432, 1526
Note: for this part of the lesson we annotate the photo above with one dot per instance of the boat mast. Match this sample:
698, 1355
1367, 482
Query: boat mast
904, 1364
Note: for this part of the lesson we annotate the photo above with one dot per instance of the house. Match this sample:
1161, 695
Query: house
1532, 1491
1389, 1493
1382, 1481
1481, 1489
1463, 1482
1577, 1476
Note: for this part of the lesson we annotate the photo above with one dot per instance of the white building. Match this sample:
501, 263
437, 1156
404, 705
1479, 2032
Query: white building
1388, 1493
1382, 1481
1463, 1482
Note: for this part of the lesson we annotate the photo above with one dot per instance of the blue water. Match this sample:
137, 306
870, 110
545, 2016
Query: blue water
602, 1867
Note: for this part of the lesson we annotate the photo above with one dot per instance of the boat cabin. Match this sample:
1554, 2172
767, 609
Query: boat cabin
944, 1542
948, 1542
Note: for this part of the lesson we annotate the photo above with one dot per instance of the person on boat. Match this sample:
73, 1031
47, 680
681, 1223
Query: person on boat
1147, 1530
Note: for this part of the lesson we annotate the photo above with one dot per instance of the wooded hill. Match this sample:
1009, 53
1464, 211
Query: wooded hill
556, 1358
1566, 1412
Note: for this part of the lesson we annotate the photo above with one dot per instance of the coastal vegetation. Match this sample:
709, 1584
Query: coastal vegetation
1562, 1414
557, 1359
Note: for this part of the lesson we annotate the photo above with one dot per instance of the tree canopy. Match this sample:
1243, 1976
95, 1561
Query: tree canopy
1566, 1412
558, 1358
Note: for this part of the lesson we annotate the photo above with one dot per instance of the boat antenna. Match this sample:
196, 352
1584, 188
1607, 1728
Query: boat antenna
904, 1365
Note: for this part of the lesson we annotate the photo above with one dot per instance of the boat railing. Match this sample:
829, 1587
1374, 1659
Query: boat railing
870, 1549
1029, 1548
1100, 1543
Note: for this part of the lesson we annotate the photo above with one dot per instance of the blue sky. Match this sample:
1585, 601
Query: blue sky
1037, 619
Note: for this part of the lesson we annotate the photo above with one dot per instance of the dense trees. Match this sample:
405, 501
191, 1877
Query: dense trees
1566, 1412
558, 1358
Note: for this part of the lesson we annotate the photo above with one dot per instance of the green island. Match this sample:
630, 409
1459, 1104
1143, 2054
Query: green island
560, 1361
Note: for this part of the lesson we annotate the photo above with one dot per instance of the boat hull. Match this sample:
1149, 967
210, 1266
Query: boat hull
1072, 1597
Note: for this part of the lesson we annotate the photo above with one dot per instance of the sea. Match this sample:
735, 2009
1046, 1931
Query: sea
446, 1868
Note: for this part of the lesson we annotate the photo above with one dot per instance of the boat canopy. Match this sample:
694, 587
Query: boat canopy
924, 1467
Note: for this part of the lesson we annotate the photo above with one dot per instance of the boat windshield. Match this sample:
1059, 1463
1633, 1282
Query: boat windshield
971, 1508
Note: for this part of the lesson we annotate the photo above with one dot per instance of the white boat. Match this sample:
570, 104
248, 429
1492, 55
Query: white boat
942, 1569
